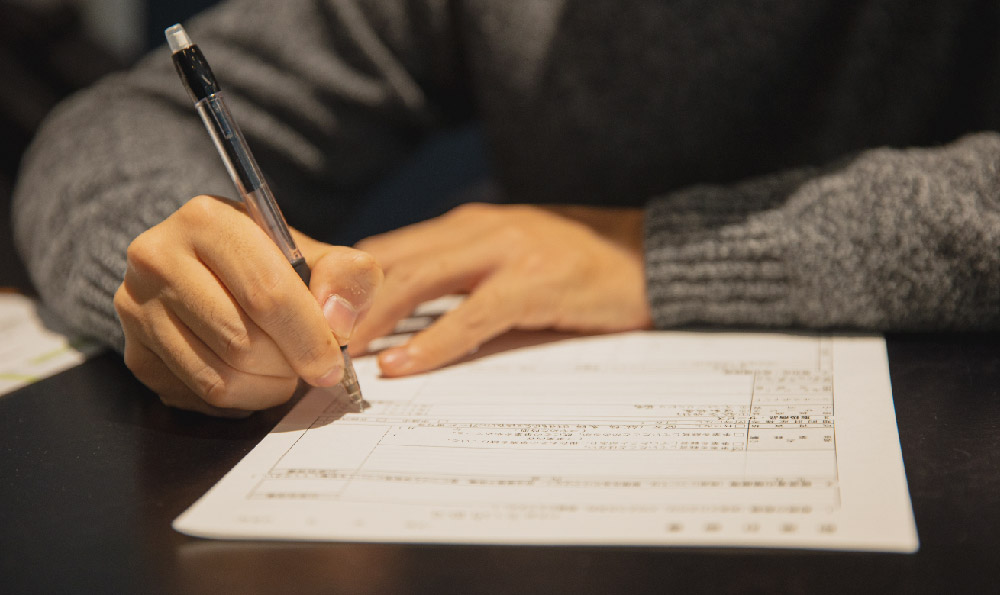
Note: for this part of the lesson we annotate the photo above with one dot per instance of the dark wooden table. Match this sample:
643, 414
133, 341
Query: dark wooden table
93, 470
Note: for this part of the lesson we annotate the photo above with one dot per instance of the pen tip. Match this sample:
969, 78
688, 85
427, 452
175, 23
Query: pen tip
350, 381
177, 38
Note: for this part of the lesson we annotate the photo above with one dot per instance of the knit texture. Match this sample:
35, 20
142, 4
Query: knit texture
815, 164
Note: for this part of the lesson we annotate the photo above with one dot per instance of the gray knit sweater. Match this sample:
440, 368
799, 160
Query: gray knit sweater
802, 164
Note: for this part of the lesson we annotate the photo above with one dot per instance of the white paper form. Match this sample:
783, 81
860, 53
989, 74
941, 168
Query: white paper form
646, 438
34, 345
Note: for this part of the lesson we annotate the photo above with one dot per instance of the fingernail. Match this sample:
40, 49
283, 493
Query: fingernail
341, 316
332, 377
395, 361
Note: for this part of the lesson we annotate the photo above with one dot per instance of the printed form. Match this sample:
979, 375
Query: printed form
644, 438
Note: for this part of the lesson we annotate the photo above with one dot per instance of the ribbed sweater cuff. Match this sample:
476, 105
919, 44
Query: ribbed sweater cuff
713, 260
98, 276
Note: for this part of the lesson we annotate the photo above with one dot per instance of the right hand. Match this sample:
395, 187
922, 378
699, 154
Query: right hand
215, 319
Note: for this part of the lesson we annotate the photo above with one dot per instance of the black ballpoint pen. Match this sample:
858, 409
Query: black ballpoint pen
243, 169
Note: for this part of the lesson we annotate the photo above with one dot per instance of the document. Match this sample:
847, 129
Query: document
34, 345
642, 438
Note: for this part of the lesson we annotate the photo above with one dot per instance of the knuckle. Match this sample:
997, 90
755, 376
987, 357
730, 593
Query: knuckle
473, 210
237, 348
123, 303
316, 359
146, 250
368, 267
365, 283
265, 296
200, 208
213, 387
135, 360
360, 274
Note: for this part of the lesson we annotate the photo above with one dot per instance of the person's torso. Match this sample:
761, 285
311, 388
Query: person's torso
613, 102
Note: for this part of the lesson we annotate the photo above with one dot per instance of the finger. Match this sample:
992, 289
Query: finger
204, 305
191, 363
485, 313
216, 319
171, 392
268, 290
422, 278
345, 282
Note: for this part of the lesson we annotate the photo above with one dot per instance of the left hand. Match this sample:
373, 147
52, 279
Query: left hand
523, 267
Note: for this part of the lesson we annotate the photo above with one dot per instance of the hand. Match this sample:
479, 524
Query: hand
217, 321
568, 268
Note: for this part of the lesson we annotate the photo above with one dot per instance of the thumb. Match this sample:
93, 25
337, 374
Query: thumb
344, 282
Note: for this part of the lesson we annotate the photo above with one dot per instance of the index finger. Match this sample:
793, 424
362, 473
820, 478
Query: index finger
485, 313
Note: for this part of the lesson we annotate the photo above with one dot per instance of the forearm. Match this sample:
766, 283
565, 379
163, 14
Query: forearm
891, 239
106, 166
325, 121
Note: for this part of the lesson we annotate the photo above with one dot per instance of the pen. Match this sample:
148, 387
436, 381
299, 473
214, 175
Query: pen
243, 169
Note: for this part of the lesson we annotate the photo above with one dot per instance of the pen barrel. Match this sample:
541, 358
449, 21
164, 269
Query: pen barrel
247, 177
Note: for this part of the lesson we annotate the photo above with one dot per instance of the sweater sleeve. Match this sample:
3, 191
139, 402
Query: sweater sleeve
891, 239
329, 95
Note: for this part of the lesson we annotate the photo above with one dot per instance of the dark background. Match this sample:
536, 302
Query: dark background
46, 53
